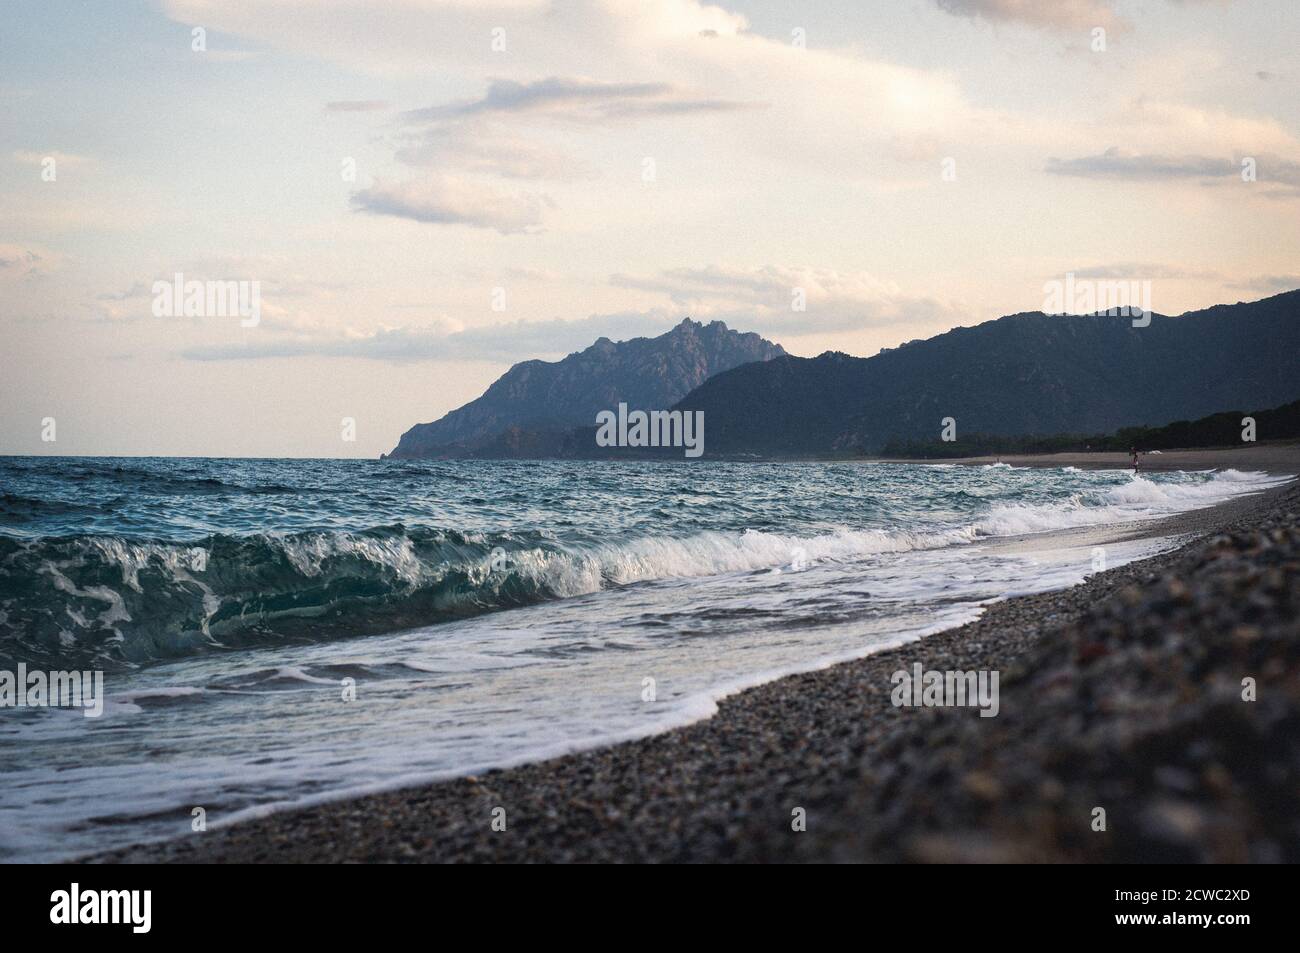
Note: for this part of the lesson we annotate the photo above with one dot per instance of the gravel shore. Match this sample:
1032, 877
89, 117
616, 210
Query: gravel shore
1123, 693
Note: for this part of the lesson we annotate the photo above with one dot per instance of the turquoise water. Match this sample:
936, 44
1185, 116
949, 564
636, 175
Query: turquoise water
482, 613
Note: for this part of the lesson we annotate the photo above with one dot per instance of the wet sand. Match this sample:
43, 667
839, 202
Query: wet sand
1121, 693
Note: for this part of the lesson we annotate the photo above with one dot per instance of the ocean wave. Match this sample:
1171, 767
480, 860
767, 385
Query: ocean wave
15, 508
99, 600
72, 602
173, 481
1136, 498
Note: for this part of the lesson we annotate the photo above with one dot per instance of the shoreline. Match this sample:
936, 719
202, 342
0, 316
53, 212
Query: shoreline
1274, 458
828, 741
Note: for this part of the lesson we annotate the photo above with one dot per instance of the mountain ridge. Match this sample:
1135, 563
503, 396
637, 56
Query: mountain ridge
535, 403
1025, 373
1020, 374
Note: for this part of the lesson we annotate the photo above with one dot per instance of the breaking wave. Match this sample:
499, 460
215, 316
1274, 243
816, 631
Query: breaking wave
109, 600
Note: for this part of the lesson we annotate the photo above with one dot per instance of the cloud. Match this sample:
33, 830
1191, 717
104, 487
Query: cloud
769, 298
759, 299
413, 35
279, 286
489, 149
229, 56
60, 158
1145, 271
514, 341
1117, 165
608, 64
579, 99
1050, 14
138, 290
356, 105
485, 136
1268, 284
471, 145
17, 258
26, 261
450, 200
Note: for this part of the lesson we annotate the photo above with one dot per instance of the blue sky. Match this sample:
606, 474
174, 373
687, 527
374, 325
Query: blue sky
615, 167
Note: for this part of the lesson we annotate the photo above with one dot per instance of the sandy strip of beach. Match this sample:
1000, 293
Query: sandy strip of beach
1277, 457
1124, 693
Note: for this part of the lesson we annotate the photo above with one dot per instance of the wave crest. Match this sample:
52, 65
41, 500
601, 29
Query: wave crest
83, 601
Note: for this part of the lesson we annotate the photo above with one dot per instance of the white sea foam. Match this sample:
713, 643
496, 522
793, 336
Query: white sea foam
292, 673
573, 573
1136, 499
309, 553
710, 553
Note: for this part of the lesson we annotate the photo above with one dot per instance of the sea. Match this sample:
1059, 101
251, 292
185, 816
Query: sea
274, 633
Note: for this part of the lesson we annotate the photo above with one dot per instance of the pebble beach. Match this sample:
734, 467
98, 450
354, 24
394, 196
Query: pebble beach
1165, 693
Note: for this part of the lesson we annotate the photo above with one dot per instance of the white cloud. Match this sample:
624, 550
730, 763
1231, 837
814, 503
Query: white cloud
1268, 284
450, 200
27, 157
579, 99
624, 59
488, 148
1052, 14
746, 299
509, 342
415, 35
26, 261
1145, 271
356, 105
1116, 163
504, 134
765, 299
1122, 165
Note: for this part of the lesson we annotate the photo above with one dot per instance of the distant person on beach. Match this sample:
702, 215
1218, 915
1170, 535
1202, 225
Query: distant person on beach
1134, 451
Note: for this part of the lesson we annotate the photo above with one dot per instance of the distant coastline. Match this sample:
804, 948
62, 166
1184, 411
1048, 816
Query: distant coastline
1273, 457
1028, 382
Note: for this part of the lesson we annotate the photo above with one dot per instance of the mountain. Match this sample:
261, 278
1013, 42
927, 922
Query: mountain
531, 410
1223, 429
1023, 374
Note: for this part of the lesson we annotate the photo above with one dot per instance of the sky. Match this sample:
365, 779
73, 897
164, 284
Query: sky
427, 191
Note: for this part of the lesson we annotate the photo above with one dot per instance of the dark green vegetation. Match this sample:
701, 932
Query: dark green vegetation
1216, 430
